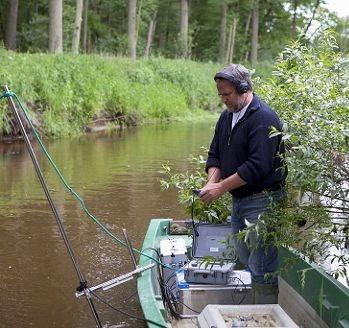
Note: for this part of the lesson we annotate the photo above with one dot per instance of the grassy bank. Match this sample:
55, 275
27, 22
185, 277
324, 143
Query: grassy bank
67, 93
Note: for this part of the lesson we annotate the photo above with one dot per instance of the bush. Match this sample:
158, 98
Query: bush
216, 212
310, 91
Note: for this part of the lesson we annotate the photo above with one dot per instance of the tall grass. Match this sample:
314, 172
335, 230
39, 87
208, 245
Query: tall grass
66, 92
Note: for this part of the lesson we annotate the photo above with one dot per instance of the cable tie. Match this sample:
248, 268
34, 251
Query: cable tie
7, 94
82, 286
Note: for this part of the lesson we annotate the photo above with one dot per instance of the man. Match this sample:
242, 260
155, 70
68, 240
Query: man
244, 160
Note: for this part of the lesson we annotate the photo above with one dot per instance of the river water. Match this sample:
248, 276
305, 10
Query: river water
118, 177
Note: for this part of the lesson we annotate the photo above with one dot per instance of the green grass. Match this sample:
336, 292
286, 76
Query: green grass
64, 93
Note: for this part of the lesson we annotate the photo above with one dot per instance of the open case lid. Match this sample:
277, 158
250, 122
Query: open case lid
208, 240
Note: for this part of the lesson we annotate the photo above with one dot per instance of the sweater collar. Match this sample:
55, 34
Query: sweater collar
255, 103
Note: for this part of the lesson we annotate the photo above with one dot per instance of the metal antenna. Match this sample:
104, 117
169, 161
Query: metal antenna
83, 283
130, 248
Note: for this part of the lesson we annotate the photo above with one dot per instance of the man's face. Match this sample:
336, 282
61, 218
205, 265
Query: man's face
229, 96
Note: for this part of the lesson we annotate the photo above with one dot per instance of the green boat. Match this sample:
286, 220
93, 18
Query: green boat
307, 294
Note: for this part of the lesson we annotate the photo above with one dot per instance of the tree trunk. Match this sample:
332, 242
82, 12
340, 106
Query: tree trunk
247, 28
132, 31
11, 25
344, 38
56, 27
227, 54
139, 16
85, 25
254, 37
77, 27
151, 32
311, 19
184, 28
232, 43
164, 31
224, 10
294, 19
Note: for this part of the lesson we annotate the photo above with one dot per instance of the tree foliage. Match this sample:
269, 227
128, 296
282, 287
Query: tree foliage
310, 90
107, 26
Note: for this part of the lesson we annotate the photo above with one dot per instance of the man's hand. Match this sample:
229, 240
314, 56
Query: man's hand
211, 192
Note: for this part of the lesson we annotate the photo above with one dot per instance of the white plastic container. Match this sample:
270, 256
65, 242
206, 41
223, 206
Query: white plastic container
266, 316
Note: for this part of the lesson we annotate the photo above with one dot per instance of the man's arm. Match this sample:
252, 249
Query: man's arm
213, 175
215, 188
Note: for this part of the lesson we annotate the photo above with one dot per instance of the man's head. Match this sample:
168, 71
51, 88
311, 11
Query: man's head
234, 86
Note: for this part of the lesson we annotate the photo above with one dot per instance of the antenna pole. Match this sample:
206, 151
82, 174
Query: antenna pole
83, 283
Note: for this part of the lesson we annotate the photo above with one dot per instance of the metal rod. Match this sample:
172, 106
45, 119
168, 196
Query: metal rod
118, 280
130, 249
52, 205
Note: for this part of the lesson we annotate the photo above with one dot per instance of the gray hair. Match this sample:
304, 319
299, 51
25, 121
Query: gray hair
237, 72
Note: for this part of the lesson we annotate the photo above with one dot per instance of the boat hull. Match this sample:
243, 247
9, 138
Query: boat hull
309, 296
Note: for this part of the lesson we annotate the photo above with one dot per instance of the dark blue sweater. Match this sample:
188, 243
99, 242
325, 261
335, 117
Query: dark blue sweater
248, 149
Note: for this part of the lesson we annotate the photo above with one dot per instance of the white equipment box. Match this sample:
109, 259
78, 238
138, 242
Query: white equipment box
197, 296
173, 253
263, 315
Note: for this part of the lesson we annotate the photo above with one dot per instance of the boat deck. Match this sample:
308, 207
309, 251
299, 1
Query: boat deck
185, 323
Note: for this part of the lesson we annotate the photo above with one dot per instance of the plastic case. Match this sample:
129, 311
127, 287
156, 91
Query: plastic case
209, 240
266, 315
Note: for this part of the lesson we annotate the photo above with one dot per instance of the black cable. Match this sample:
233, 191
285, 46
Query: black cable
195, 232
170, 277
129, 297
168, 287
171, 300
194, 225
195, 237
237, 286
168, 300
173, 306
125, 313
165, 295
188, 307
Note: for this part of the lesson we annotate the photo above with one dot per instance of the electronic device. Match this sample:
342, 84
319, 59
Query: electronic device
173, 253
209, 240
241, 86
213, 273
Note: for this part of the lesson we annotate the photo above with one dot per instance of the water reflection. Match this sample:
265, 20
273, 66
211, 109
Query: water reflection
118, 177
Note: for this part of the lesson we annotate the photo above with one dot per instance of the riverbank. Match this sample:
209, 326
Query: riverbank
68, 95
